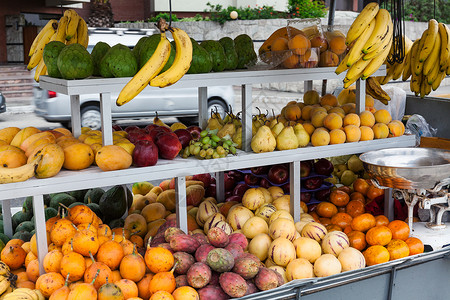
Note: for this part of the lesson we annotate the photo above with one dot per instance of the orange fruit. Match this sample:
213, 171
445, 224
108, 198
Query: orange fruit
400, 229
355, 208
337, 136
366, 118
299, 44
382, 116
366, 133
373, 192
337, 45
320, 137
380, 131
415, 245
280, 44
332, 121
361, 185
357, 239
397, 249
376, 255
341, 219
363, 222
339, 198
326, 209
378, 235
291, 62
358, 196
353, 133
352, 119
328, 99
381, 220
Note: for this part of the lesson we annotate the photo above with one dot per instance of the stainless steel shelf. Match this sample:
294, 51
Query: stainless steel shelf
239, 77
179, 167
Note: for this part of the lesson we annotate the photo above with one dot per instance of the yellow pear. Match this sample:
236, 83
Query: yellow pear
301, 134
287, 139
263, 141
277, 128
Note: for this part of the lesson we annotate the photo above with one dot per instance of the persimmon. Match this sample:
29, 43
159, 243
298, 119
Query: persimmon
397, 249
363, 222
325, 221
341, 219
339, 198
379, 235
400, 229
357, 240
348, 229
333, 227
381, 220
415, 245
355, 208
358, 196
376, 255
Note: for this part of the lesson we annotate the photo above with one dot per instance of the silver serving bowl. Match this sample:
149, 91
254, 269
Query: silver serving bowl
407, 168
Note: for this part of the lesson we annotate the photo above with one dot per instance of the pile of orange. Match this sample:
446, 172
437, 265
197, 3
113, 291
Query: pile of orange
379, 239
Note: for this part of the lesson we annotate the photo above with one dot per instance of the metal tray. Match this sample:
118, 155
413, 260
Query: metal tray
407, 168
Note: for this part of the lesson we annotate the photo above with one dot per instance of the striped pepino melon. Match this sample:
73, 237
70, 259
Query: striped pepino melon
334, 242
314, 230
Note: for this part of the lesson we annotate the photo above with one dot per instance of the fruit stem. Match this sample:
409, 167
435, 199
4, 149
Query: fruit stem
95, 277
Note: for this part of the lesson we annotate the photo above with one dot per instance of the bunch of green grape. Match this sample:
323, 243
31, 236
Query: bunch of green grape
209, 145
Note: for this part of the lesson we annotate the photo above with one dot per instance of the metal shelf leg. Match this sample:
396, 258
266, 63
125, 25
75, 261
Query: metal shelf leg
388, 204
7, 221
76, 115
220, 186
105, 110
294, 185
360, 96
41, 234
246, 117
180, 196
202, 107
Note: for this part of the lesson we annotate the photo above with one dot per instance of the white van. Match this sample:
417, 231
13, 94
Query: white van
180, 103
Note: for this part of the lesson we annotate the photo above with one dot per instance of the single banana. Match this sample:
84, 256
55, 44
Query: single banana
61, 31
73, 40
22, 173
389, 75
181, 63
417, 66
46, 28
342, 65
14, 296
41, 69
385, 43
407, 66
437, 82
429, 41
431, 77
4, 284
348, 82
72, 23
28, 292
376, 63
4, 269
398, 70
444, 32
82, 33
382, 28
375, 88
151, 68
362, 21
37, 54
415, 82
433, 58
8, 291
39, 294
355, 52
357, 69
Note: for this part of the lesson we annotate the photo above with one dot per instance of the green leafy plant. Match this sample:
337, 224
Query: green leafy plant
304, 9
221, 15
424, 10
165, 16
197, 17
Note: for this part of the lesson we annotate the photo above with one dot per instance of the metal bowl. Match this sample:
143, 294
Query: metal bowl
407, 168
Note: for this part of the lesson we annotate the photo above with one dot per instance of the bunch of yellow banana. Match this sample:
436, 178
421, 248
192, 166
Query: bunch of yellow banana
18, 174
70, 28
395, 71
428, 61
148, 74
369, 39
5, 285
22, 294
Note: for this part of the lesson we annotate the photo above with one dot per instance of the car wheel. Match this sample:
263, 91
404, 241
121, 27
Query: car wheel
222, 109
91, 117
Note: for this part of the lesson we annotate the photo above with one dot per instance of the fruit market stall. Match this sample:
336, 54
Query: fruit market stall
277, 220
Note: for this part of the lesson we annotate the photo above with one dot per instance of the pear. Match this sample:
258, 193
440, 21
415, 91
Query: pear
287, 139
339, 169
333, 179
228, 129
263, 141
355, 164
157, 121
214, 123
273, 122
348, 177
277, 129
177, 125
301, 134
237, 138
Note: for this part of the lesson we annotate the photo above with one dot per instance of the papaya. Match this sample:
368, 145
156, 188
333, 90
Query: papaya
201, 59
231, 57
245, 51
215, 49
285, 32
62, 198
93, 195
113, 203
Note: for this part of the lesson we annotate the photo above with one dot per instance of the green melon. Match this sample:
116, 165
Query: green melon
25, 226
79, 195
23, 235
113, 203
62, 198
116, 223
3, 237
93, 195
